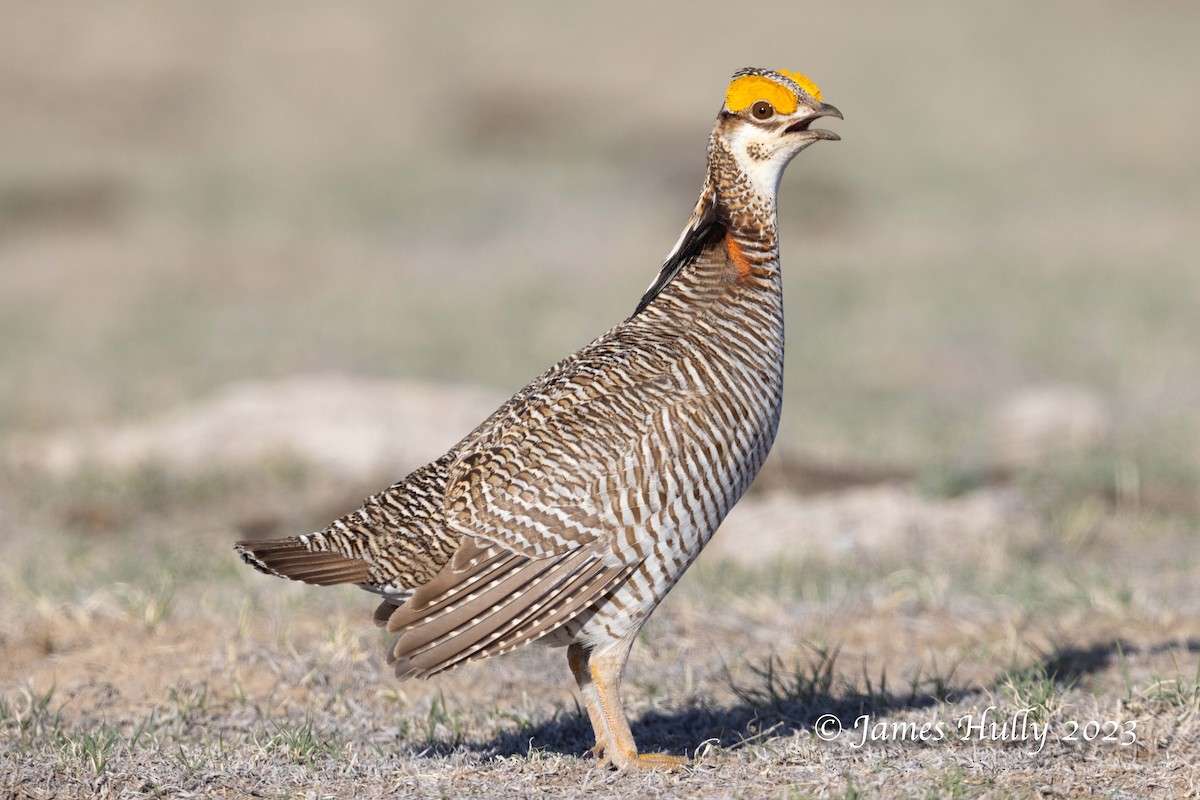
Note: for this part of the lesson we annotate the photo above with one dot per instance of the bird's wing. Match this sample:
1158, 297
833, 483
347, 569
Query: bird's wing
495, 601
549, 499
582, 466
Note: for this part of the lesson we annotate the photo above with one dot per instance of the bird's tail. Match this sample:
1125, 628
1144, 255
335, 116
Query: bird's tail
295, 558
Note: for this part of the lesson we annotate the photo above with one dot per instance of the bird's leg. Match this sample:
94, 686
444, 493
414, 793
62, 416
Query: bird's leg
578, 658
604, 670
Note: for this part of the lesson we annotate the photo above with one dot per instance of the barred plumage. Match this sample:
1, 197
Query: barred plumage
572, 510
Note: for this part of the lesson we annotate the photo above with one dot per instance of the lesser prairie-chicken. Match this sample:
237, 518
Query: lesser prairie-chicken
571, 511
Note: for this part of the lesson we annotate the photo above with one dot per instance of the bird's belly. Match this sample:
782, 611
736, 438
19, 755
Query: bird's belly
706, 476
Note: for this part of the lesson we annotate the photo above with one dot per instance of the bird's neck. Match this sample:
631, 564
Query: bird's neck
731, 240
751, 237
747, 208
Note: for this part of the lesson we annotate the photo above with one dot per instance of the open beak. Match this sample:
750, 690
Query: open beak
824, 110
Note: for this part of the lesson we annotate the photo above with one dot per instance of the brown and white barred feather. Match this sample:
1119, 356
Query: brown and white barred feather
574, 508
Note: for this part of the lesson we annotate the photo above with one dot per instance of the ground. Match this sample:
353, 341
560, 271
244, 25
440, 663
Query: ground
256, 261
177, 670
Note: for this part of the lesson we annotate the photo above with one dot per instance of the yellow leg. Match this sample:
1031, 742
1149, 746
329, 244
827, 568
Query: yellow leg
600, 685
577, 658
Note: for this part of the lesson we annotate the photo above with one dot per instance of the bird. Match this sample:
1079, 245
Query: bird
567, 515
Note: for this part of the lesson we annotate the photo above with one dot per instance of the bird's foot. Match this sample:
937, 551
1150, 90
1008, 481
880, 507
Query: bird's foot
660, 761
655, 761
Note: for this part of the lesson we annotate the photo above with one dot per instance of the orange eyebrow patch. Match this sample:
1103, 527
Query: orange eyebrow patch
740, 262
804, 82
749, 89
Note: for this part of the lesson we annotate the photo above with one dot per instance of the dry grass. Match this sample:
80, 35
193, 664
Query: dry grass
197, 195
142, 660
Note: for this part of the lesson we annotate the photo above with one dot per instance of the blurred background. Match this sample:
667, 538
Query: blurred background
290, 251
194, 195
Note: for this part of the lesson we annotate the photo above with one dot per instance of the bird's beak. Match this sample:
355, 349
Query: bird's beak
823, 110
827, 110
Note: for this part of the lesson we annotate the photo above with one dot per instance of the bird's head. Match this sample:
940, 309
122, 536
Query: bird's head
765, 121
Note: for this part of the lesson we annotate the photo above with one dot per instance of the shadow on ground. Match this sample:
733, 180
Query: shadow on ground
781, 700
1068, 665
776, 700
683, 730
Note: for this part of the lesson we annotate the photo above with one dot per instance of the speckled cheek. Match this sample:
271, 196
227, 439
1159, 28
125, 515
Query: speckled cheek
758, 151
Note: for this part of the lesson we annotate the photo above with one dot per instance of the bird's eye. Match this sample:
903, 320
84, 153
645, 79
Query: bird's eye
762, 110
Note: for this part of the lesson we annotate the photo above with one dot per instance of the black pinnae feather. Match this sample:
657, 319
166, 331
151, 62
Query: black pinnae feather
707, 229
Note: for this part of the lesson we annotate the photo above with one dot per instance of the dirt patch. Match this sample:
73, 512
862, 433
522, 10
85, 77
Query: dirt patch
351, 427
304, 705
876, 521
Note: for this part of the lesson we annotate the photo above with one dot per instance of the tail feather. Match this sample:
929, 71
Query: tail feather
384, 612
291, 558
